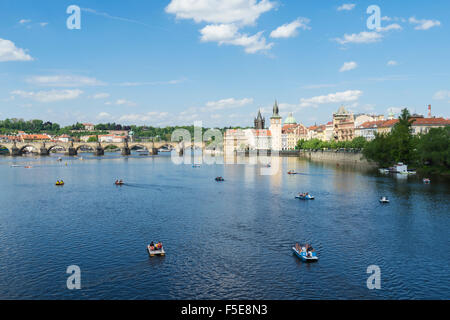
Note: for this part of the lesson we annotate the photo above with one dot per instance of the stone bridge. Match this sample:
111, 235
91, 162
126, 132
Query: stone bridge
72, 148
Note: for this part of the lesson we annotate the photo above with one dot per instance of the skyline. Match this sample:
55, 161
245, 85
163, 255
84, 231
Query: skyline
219, 64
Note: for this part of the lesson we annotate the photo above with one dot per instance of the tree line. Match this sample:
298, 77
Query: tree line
426, 152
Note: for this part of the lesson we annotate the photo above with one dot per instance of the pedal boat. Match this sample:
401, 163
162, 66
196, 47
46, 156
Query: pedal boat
153, 253
305, 197
305, 257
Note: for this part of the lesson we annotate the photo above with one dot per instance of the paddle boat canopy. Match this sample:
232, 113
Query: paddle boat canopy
304, 196
156, 249
305, 253
384, 200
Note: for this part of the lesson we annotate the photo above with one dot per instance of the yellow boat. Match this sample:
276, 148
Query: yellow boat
59, 183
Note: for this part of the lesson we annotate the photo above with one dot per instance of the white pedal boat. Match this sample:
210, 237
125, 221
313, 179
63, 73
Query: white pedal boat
153, 253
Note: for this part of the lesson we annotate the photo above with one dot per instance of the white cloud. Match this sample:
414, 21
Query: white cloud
390, 27
219, 32
367, 36
242, 12
103, 115
49, 96
124, 102
152, 83
442, 95
424, 24
289, 30
346, 7
348, 66
224, 19
227, 104
43, 24
9, 52
101, 95
386, 18
64, 81
362, 37
338, 97
228, 34
24, 21
392, 63
143, 117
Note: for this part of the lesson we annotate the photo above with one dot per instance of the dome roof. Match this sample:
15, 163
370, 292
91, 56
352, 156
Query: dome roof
290, 119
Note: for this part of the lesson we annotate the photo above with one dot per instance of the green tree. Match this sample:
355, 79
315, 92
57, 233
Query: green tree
433, 148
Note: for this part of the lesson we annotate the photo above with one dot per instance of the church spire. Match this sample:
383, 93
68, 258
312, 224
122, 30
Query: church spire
275, 111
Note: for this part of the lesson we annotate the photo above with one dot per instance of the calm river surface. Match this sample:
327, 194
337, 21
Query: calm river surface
229, 240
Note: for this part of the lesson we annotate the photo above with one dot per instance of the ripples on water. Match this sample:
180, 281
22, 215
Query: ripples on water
229, 240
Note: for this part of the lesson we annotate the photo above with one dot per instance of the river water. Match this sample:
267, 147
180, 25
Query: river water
228, 240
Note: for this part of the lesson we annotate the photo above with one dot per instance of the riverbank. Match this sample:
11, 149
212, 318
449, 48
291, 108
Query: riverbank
338, 157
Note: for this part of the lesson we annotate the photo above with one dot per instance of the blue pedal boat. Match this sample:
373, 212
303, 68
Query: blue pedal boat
304, 197
306, 256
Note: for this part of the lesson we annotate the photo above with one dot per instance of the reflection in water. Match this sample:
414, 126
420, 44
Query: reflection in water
228, 240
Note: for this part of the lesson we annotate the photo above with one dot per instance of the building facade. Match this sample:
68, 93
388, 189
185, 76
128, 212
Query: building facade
343, 125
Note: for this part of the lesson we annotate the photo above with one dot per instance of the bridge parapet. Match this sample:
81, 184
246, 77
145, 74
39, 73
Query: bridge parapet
72, 148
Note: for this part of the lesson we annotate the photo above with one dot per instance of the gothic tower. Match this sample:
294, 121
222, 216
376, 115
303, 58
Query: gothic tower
275, 128
259, 121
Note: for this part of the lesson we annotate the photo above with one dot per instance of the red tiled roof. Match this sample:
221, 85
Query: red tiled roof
431, 121
262, 132
35, 137
371, 124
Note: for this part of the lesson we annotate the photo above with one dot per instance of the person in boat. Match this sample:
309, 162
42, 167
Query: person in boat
117, 182
121, 181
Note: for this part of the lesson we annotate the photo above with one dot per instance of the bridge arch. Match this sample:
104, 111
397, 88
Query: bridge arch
85, 146
137, 146
56, 146
4, 150
111, 146
32, 147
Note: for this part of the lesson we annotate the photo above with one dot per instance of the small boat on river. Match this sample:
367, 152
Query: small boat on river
59, 183
156, 249
218, 179
306, 253
384, 200
292, 172
119, 183
304, 196
426, 181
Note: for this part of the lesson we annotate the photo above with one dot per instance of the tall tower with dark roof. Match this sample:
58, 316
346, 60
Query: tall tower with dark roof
259, 121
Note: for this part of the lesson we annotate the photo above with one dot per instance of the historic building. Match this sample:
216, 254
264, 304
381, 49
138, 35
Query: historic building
275, 128
260, 121
344, 125
257, 138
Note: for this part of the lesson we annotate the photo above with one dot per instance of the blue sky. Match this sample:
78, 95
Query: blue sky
178, 61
